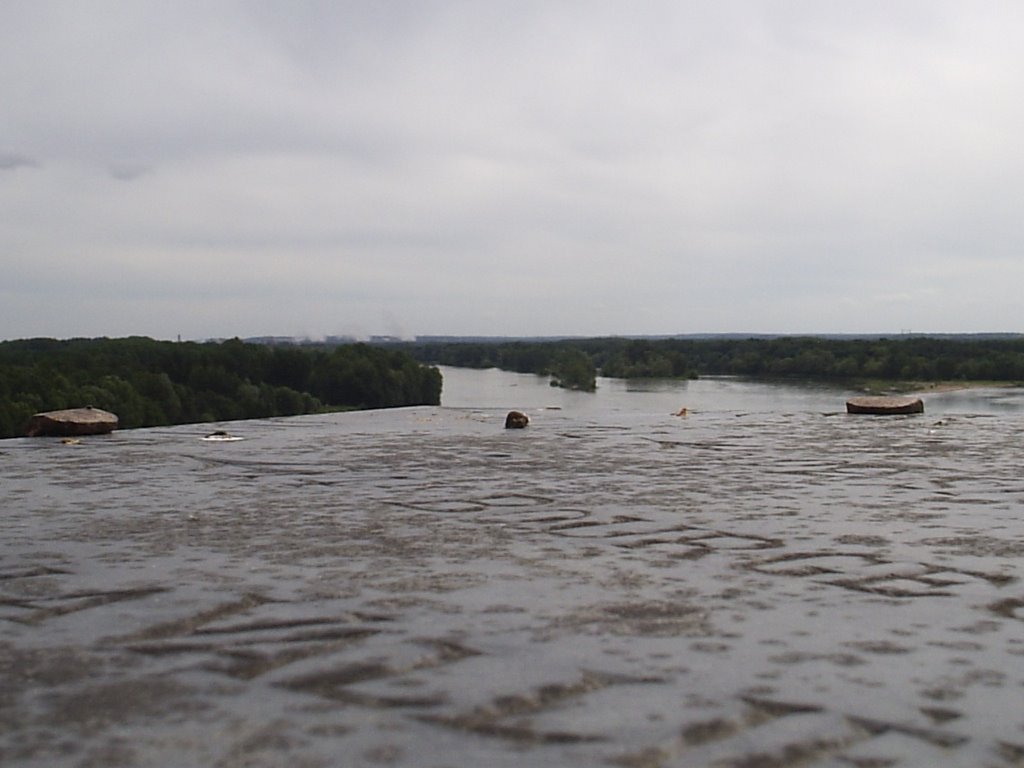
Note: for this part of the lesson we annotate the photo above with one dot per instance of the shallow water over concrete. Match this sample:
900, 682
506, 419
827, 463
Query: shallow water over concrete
420, 587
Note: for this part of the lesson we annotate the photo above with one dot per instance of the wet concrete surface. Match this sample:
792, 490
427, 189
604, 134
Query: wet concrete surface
420, 587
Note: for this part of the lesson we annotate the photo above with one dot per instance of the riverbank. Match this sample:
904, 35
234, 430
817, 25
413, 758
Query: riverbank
935, 387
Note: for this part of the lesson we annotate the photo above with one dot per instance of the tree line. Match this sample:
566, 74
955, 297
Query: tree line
912, 358
158, 383
569, 364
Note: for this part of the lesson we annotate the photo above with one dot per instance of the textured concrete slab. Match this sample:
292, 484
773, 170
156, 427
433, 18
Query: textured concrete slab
71, 422
422, 587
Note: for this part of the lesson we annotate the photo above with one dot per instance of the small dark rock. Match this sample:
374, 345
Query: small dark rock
516, 420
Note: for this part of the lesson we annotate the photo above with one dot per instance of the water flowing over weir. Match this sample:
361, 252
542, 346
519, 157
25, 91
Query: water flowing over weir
421, 587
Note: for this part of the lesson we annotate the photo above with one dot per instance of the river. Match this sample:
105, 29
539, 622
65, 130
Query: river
493, 388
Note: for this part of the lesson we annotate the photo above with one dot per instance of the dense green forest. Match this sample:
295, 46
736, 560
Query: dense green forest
155, 383
912, 358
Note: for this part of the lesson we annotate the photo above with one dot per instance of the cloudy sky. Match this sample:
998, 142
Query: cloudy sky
214, 169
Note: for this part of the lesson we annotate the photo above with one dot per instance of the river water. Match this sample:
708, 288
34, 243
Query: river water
494, 388
766, 582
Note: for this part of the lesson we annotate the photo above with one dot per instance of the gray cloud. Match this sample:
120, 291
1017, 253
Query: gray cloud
10, 161
455, 167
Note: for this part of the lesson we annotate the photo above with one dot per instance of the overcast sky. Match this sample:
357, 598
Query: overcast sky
214, 169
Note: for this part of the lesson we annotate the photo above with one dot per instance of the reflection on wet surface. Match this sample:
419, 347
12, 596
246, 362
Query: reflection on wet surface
421, 587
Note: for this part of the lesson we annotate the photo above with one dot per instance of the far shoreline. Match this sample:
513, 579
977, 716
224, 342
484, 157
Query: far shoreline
941, 387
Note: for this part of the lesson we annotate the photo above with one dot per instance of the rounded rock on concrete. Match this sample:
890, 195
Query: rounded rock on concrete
884, 406
516, 420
